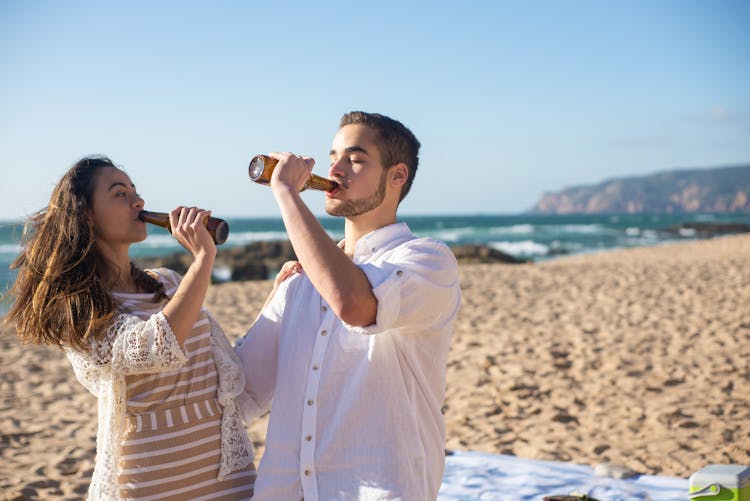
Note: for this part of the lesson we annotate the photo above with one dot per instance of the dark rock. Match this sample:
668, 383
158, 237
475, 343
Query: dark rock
255, 261
262, 260
178, 262
249, 271
708, 230
483, 254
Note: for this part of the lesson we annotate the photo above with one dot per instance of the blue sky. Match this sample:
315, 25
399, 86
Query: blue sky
509, 98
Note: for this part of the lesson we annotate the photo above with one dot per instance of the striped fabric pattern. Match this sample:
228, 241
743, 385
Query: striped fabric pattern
171, 446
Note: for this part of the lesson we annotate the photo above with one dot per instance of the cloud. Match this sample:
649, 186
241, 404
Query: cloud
721, 114
719, 119
644, 141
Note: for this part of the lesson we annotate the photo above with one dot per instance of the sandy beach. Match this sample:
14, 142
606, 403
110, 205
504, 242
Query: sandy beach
637, 357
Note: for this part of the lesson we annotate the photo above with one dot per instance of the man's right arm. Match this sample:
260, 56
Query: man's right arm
333, 274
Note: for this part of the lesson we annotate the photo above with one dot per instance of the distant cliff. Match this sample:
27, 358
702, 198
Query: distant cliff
725, 189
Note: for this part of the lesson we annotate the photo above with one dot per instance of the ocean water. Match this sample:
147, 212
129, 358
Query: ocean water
535, 237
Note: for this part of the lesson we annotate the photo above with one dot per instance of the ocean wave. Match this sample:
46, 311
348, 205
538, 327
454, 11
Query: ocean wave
248, 237
10, 249
167, 243
451, 235
479, 233
516, 229
580, 228
521, 248
646, 238
222, 273
158, 242
560, 247
641, 234
705, 217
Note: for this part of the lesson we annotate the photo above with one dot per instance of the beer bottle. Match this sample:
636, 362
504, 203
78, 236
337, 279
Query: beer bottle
261, 167
217, 228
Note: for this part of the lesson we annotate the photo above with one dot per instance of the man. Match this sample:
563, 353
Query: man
352, 351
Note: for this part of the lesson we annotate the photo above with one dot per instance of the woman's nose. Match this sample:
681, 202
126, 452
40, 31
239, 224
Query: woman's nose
138, 201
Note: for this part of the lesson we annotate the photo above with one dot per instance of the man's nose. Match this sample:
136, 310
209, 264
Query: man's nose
336, 168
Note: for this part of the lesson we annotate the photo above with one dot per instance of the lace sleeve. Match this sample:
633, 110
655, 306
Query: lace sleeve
87, 373
130, 346
141, 347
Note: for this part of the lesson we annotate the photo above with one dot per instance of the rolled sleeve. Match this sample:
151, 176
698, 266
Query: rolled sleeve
423, 272
386, 287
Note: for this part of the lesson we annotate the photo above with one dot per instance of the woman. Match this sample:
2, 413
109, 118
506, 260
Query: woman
162, 369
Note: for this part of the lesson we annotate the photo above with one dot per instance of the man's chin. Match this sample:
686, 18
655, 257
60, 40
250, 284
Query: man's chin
332, 208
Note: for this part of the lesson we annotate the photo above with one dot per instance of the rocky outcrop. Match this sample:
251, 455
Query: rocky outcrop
255, 261
483, 254
708, 230
262, 260
681, 191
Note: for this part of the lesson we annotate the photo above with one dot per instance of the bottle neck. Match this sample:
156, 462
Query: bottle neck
157, 218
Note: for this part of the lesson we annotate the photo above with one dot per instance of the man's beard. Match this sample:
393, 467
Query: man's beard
353, 208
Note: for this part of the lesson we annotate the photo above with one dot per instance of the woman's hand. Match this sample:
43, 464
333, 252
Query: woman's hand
189, 228
287, 270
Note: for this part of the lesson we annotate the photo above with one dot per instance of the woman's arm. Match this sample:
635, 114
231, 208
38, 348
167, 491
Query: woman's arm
183, 309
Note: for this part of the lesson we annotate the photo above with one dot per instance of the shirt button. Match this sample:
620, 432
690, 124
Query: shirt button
310, 402
308, 438
308, 473
315, 367
323, 333
399, 273
324, 308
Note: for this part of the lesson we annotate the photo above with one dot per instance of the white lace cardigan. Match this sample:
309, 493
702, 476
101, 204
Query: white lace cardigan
135, 346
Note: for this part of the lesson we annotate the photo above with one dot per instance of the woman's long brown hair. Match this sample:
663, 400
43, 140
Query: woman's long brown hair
59, 296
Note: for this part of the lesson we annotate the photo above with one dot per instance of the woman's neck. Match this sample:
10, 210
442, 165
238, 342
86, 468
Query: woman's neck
120, 278
116, 270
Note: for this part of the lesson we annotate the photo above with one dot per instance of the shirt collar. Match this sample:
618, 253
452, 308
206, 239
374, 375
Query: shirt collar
377, 240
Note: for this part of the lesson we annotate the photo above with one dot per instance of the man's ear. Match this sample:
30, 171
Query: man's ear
399, 174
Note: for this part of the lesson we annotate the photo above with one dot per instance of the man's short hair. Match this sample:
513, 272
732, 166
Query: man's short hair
395, 142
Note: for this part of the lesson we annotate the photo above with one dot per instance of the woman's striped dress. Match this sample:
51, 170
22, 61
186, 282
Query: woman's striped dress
171, 445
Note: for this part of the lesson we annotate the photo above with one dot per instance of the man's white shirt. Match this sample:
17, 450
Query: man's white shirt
356, 411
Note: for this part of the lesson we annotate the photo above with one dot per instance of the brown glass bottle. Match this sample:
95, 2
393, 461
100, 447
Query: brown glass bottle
261, 167
217, 228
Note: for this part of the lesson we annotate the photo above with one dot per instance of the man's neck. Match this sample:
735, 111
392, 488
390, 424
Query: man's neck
357, 227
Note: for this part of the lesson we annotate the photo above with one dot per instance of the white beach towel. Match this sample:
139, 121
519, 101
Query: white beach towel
475, 476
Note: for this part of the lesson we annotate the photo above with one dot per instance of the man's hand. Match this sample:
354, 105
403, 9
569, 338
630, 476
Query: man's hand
292, 171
